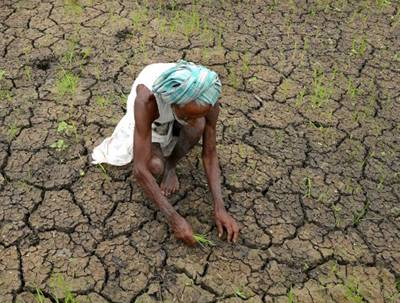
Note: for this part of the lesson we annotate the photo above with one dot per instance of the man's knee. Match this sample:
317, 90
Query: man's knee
156, 166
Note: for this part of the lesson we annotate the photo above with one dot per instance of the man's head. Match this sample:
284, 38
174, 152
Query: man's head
189, 112
187, 82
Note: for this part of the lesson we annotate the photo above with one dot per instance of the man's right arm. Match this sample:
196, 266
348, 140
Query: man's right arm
145, 114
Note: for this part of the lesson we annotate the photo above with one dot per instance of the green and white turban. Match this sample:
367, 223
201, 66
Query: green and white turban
187, 82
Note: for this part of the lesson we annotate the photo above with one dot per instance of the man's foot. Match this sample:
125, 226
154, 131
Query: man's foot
169, 183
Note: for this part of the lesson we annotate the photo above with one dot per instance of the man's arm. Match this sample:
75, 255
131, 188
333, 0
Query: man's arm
211, 167
145, 114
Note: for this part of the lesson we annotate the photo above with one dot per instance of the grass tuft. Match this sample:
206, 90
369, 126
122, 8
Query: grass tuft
202, 240
67, 83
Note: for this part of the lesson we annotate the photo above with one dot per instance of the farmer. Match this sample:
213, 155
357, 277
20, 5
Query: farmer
170, 107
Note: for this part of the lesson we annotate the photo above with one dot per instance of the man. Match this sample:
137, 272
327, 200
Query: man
190, 92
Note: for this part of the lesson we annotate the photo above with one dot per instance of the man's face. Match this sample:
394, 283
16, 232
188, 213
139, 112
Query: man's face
190, 112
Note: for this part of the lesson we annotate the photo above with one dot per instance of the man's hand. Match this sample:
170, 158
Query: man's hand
225, 220
183, 231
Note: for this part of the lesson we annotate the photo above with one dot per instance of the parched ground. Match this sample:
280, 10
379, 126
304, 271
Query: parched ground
308, 143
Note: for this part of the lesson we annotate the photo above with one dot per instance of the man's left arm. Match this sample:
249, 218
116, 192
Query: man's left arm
211, 166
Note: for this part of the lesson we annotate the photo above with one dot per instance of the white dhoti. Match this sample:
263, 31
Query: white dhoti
118, 148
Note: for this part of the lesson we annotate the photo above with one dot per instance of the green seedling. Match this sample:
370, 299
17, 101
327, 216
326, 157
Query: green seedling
353, 293
233, 78
59, 145
300, 98
28, 72
139, 17
358, 46
219, 35
308, 183
103, 171
290, 295
73, 7
2, 74
12, 131
359, 216
65, 128
102, 101
202, 240
39, 296
240, 294
86, 52
320, 92
57, 285
383, 3
336, 210
67, 83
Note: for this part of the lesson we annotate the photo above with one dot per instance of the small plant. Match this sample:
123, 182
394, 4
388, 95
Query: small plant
39, 297
233, 78
290, 295
59, 145
359, 216
67, 83
300, 98
308, 183
353, 293
241, 294
12, 131
86, 52
73, 7
358, 46
5, 95
28, 72
65, 128
102, 101
336, 211
139, 16
2, 73
320, 92
202, 240
383, 3
57, 285
103, 171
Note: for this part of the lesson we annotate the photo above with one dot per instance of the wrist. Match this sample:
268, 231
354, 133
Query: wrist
219, 208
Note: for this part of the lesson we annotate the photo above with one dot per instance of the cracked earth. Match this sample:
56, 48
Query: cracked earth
308, 142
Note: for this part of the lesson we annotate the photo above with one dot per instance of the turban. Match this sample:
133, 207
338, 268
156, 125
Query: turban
187, 82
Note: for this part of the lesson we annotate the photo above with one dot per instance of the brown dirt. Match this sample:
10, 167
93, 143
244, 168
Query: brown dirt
314, 183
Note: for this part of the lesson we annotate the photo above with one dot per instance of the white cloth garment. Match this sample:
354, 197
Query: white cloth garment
118, 149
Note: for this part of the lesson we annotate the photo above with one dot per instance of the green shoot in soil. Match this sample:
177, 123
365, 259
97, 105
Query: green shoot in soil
308, 183
65, 128
290, 296
358, 46
73, 7
59, 145
353, 293
320, 92
240, 294
202, 240
359, 216
67, 83
2, 73
12, 131
103, 102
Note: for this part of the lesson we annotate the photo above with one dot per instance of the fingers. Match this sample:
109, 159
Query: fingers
219, 228
235, 233
230, 232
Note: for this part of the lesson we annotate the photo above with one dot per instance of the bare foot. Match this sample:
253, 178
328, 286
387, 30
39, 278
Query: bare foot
169, 183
